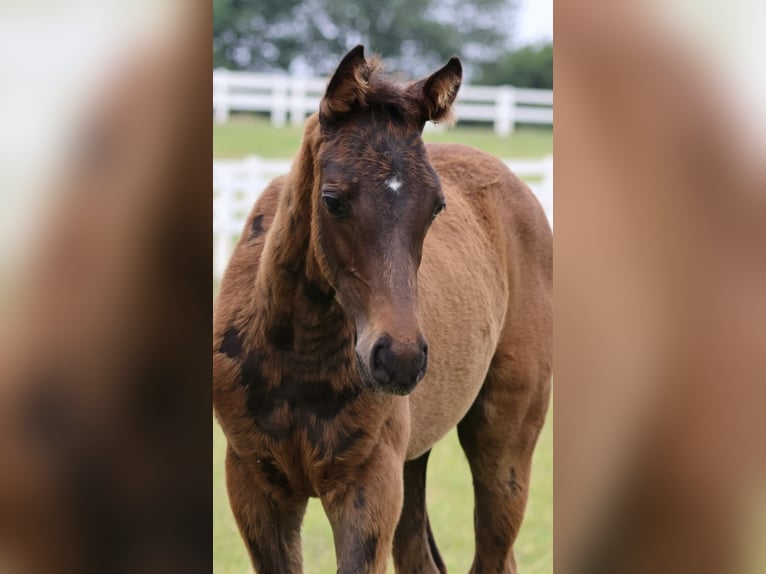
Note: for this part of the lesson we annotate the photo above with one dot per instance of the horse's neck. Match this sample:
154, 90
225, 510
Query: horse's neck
295, 305
287, 257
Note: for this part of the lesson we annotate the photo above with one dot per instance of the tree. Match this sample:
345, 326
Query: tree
528, 67
310, 36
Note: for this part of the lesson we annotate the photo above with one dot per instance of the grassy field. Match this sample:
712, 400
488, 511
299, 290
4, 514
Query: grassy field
254, 135
450, 499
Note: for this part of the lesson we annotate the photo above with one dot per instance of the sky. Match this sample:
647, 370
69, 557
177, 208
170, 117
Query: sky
535, 21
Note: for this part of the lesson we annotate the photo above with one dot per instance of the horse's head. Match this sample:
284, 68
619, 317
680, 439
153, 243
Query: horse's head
374, 201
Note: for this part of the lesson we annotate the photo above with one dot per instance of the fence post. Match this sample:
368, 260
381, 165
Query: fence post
224, 190
297, 101
222, 237
548, 177
221, 96
505, 111
279, 102
548, 187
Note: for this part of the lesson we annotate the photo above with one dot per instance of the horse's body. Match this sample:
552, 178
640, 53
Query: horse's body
307, 414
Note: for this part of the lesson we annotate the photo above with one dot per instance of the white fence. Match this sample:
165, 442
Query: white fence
237, 184
283, 96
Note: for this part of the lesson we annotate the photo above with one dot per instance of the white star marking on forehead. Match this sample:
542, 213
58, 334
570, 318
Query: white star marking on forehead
394, 184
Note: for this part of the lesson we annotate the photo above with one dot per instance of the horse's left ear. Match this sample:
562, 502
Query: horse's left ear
437, 93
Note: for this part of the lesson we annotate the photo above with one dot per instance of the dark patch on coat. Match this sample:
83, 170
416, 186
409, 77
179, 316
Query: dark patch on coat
370, 546
317, 397
306, 399
256, 227
252, 377
315, 433
271, 427
260, 399
315, 294
360, 500
231, 344
513, 483
273, 475
363, 552
296, 269
280, 336
295, 221
348, 441
321, 352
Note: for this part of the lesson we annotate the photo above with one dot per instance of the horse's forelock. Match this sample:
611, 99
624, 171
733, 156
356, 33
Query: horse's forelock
385, 91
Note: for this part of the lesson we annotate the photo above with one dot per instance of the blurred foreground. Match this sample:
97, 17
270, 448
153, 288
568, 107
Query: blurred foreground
660, 289
105, 291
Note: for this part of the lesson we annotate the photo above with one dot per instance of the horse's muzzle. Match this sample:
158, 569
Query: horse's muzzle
397, 368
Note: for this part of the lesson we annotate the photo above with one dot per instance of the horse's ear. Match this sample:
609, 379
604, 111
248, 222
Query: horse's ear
348, 85
437, 93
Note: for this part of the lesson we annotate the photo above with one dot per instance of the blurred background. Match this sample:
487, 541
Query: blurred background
271, 63
499, 41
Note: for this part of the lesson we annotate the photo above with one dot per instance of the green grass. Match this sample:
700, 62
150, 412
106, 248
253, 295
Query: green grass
254, 135
450, 506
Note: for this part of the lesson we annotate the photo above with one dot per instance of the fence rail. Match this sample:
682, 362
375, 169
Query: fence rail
237, 184
286, 97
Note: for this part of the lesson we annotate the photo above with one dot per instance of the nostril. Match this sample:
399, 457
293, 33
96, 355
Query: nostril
423, 361
423, 351
379, 351
376, 355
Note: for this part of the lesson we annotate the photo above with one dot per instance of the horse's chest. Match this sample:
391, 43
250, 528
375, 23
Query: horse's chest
297, 407
302, 428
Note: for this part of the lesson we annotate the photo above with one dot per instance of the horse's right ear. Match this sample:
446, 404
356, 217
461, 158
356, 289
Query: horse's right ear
348, 85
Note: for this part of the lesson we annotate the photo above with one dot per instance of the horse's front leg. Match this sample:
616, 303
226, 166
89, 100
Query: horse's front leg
270, 527
364, 512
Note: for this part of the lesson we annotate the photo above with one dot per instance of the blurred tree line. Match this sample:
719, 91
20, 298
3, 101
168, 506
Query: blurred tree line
527, 67
415, 36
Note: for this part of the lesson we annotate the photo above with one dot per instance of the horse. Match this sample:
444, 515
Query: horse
382, 293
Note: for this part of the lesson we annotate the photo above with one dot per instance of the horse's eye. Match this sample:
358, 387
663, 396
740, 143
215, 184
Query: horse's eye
335, 205
439, 208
